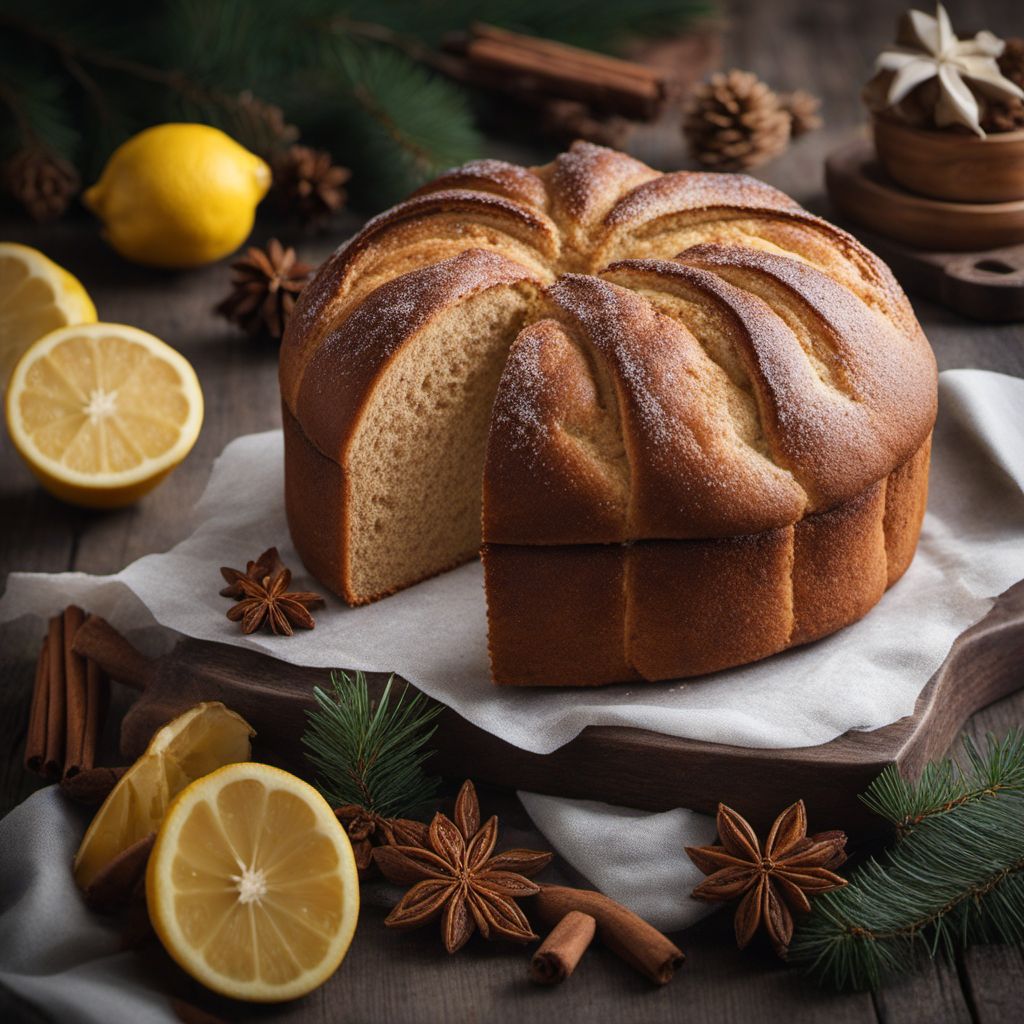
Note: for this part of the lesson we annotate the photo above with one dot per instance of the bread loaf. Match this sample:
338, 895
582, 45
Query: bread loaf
686, 422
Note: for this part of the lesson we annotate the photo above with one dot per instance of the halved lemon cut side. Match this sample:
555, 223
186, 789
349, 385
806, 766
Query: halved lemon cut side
202, 739
252, 884
36, 296
102, 412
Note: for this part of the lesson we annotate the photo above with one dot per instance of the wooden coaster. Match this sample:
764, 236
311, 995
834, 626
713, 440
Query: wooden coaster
986, 283
860, 189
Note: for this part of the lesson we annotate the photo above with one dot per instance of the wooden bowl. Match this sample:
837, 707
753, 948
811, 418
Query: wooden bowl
952, 165
862, 190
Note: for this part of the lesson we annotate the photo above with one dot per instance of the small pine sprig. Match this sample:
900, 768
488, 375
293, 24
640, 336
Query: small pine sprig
944, 785
955, 876
371, 753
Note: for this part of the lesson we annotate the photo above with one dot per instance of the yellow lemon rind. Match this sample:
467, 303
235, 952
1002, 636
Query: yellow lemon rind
160, 893
108, 489
70, 297
74, 300
158, 746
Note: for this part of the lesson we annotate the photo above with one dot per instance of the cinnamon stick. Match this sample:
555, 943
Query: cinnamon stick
630, 937
75, 694
98, 641
565, 53
35, 739
97, 698
56, 706
560, 952
536, 69
115, 883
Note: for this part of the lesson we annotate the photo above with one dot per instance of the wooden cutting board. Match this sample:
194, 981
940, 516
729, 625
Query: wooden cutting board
630, 767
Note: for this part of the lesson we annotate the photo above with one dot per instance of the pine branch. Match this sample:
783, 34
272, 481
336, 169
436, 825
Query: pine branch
945, 784
371, 754
37, 114
366, 84
956, 875
581, 22
405, 124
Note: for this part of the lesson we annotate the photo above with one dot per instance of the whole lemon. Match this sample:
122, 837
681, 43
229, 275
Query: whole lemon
178, 195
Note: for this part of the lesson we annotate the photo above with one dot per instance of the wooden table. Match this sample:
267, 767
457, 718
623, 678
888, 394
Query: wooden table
826, 47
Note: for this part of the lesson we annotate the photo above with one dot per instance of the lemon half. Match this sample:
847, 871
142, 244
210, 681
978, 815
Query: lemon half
36, 297
205, 737
103, 412
252, 884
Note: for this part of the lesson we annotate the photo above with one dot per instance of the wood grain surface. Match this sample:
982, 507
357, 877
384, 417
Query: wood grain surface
826, 47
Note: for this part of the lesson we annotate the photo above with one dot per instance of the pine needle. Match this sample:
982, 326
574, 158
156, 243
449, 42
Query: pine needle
371, 753
955, 876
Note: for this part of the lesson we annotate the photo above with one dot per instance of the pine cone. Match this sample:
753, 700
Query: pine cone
1003, 117
567, 120
735, 121
1008, 116
307, 185
42, 182
265, 283
803, 110
1011, 61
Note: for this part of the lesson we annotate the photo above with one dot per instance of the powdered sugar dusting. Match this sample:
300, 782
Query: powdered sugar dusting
594, 195
587, 179
517, 414
691, 190
405, 304
510, 180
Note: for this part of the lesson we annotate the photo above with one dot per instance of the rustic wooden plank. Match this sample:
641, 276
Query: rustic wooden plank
993, 980
936, 986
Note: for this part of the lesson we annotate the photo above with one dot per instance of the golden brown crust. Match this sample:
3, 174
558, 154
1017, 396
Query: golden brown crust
906, 495
323, 305
690, 607
714, 380
504, 179
529, 640
744, 611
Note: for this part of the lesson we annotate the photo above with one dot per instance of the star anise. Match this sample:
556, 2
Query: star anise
264, 286
267, 564
456, 875
366, 829
769, 881
268, 602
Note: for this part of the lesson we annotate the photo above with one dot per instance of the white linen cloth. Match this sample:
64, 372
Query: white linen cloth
434, 635
54, 953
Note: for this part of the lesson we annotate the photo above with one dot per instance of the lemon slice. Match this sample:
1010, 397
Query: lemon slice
102, 412
252, 884
36, 297
205, 737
